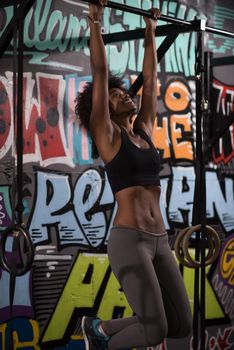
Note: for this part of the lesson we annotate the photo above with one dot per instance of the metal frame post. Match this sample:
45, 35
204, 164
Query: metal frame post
199, 210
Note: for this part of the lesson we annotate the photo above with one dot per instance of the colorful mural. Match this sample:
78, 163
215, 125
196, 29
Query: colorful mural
68, 203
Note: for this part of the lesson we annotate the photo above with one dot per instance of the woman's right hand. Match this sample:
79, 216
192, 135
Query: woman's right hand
152, 22
95, 11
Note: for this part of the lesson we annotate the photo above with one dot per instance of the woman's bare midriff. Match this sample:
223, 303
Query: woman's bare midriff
138, 207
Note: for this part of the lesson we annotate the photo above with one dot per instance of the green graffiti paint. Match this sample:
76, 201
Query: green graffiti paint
222, 17
48, 29
80, 292
52, 30
76, 293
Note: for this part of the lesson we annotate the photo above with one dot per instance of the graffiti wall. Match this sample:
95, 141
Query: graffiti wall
68, 203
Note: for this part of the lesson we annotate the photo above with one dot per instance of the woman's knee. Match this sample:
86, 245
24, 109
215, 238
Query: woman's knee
155, 333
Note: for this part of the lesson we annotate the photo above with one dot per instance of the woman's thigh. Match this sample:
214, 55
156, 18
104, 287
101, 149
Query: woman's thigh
175, 298
130, 256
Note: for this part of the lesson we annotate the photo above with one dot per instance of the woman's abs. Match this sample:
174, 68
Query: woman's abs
138, 207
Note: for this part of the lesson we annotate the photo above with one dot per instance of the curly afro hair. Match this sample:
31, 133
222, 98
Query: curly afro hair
83, 100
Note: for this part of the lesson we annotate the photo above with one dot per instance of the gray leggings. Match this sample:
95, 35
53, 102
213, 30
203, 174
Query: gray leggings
148, 273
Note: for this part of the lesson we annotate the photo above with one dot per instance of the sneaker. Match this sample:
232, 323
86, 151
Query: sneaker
92, 340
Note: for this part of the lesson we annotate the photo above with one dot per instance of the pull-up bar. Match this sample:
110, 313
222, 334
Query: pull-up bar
145, 13
139, 11
5, 3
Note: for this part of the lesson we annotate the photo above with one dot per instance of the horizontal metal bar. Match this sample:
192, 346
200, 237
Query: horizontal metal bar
135, 34
7, 35
141, 12
221, 61
5, 3
219, 32
145, 13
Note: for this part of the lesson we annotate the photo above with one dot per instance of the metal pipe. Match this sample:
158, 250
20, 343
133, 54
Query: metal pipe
165, 30
5, 3
221, 61
7, 35
140, 12
145, 13
219, 32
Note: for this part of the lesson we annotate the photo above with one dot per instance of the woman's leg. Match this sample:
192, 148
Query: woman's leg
113, 326
175, 298
131, 253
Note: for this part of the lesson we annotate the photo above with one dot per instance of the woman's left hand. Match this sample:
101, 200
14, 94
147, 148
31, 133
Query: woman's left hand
152, 22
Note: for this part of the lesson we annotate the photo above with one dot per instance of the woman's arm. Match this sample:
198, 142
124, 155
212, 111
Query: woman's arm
147, 114
100, 122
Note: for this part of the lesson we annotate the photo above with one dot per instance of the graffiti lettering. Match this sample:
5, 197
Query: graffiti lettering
81, 221
214, 312
220, 199
5, 117
46, 123
225, 294
49, 138
170, 137
225, 102
182, 149
22, 301
224, 149
68, 204
221, 19
46, 134
25, 334
220, 342
76, 293
227, 262
177, 96
55, 31
77, 137
81, 292
181, 198
175, 60
173, 134
5, 207
222, 279
59, 32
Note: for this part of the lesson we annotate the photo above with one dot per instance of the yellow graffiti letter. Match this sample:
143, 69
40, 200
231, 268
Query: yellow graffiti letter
76, 293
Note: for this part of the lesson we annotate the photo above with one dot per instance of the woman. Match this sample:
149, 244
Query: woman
138, 249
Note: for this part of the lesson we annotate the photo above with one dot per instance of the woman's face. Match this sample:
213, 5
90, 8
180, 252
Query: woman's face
121, 102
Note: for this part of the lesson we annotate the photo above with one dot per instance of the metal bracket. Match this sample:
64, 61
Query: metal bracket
199, 24
204, 105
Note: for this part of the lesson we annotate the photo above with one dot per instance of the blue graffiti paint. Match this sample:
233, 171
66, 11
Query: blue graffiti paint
24, 332
55, 31
22, 293
220, 200
54, 211
181, 202
5, 207
69, 120
80, 220
72, 345
79, 212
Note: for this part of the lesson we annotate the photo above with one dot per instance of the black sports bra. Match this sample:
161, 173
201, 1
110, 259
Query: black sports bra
133, 166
